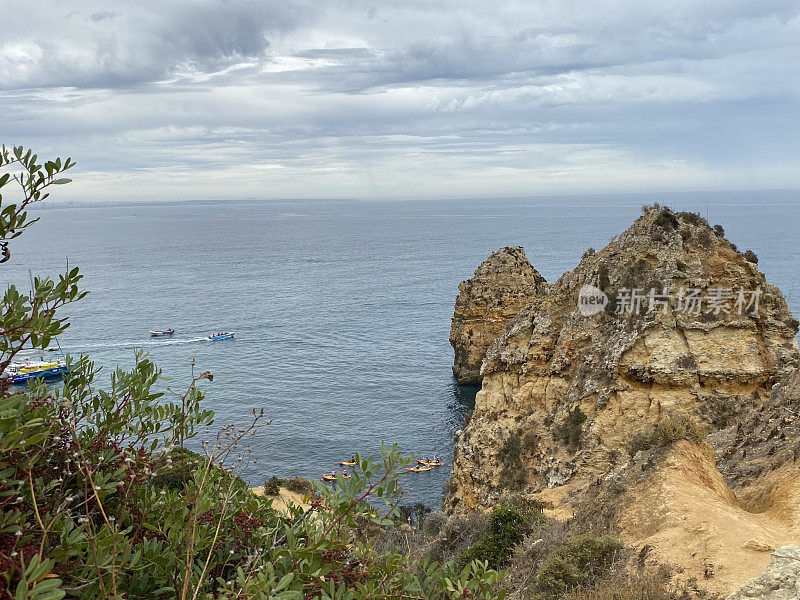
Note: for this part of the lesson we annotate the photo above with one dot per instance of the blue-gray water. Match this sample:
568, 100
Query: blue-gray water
341, 309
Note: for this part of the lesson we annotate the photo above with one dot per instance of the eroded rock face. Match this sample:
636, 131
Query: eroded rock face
780, 581
502, 286
569, 403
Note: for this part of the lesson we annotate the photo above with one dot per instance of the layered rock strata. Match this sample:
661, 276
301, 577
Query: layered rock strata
667, 333
502, 286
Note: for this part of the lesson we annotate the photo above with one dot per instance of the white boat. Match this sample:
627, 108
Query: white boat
169, 331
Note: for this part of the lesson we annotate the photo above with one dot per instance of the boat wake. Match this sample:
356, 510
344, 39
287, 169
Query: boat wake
146, 343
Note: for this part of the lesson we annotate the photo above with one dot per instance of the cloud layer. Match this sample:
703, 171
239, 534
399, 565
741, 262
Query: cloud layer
404, 99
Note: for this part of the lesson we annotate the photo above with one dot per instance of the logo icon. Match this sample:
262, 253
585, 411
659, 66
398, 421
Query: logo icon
591, 300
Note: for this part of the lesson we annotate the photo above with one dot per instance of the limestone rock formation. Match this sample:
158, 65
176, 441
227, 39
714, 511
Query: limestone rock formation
502, 286
581, 408
780, 581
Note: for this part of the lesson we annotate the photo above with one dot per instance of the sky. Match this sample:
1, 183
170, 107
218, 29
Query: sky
214, 99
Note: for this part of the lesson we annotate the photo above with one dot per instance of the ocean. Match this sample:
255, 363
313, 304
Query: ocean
341, 308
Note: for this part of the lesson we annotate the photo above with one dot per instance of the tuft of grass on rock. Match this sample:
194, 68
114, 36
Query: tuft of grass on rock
570, 429
630, 586
670, 429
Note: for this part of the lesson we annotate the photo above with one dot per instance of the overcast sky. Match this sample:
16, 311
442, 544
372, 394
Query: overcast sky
327, 99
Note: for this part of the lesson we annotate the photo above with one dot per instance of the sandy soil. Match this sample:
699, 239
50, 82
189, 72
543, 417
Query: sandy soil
691, 519
282, 501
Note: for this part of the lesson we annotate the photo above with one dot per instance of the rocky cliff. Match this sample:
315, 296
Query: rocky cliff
780, 581
622, 387
502, 286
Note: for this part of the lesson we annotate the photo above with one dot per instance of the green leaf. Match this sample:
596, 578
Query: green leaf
22, 590
52, 594
46, 588
61, 181
285, 581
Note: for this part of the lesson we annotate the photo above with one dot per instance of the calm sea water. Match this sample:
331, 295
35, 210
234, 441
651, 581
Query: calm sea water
341, 309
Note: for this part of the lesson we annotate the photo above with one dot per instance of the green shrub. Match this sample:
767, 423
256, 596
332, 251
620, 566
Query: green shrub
705, 239
174, 477
530, 442
666, 220
751, 257
530, 508
273, 485
581, 560
512, 479
300, 485
511, 451
692, 218
414, 513
99, 499
570, 429
507, 528
512, 474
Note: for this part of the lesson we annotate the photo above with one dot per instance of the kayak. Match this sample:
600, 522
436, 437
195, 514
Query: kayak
347, 463
418, 469
333, 477
430, 463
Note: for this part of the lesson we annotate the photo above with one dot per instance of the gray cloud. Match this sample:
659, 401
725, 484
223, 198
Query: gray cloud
354, 98
134, 43
102, 15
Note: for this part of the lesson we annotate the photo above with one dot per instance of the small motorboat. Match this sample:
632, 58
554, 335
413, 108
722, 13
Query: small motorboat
225, 335
332, 476
169, 331
22, 372
418, 469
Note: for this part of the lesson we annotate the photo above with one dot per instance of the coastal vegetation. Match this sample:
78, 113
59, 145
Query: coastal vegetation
669, 430
101, 497
129, 490
570, 429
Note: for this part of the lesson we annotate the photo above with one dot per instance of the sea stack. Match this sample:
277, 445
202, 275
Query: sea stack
502, 286
667, 406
